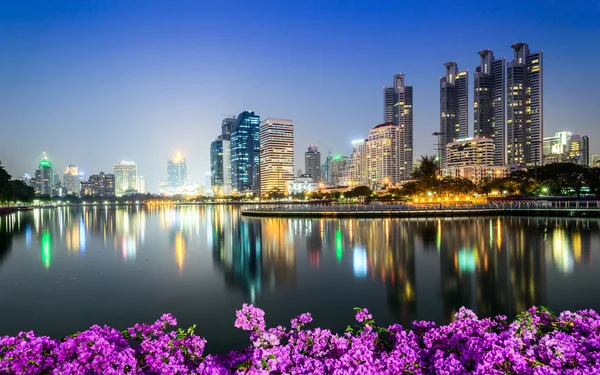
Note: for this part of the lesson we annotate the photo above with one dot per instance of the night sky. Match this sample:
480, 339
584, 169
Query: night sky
93, 83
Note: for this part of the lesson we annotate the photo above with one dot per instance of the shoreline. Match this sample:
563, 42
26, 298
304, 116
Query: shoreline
374, 211
12, 209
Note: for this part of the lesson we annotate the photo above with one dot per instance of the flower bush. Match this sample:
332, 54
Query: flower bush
537, 342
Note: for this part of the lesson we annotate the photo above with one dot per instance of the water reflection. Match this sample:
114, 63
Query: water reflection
417, 268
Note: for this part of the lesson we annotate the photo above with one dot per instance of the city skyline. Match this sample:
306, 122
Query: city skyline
185, 98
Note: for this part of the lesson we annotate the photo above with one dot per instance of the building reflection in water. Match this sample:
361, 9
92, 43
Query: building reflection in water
493, 265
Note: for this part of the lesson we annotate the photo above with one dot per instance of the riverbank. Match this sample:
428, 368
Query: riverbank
12, 209
524, 208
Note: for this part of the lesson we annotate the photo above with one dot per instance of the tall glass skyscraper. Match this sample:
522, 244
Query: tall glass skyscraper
524, 99
177, 171
454, 106
245, 152
216, 163
398, 110
489, 102
44, 177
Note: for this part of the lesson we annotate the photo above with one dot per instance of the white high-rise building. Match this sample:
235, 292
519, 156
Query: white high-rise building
71, 180
382, 154
472, 158
125, 178
141, 185
277, 154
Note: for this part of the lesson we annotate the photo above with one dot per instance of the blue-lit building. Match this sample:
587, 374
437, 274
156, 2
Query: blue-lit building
245, 152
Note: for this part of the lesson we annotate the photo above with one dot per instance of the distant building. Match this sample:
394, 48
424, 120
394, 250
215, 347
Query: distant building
356, 173
245, 152
454, 106
524, 108
595, 161
335, 170
472, 158
312, 163
566, 147
489, 102
217, 163
398, 110
71, 180
177, 172
125, 174
43, 181
277, 154
141, 185
100, 185
301, 184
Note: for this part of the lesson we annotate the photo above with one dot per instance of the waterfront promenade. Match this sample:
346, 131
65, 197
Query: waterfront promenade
525, 208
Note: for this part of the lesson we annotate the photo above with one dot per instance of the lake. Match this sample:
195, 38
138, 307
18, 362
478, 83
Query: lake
64, 269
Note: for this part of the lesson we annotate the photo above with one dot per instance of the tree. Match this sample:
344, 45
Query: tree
427, 169
360, 191
275, 193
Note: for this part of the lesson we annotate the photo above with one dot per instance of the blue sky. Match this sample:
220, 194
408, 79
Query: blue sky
93, 83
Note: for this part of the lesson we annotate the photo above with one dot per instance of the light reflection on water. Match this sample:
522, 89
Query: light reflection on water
88, 265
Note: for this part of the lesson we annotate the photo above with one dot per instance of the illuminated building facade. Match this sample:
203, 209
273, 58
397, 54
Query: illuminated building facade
216, 163
101, 185
301, 184
454, 106
277, 154
71, 181
125, 174
398, 110
141, 185
489, 102
356, 173
566, 147
177, 172
524, 99
245, 153
44, 183
312, 163
382, 155
472, 158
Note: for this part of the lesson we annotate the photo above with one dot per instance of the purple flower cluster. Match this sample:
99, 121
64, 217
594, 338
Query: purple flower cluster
536, 343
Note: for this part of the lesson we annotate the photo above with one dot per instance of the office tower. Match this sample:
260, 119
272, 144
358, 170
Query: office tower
524, 111
217, 163
312, 162
454, 106
71, 181
277, 154
566, 147
595, 160
245, 152
489, 102
226, 125
44, 177
177, 171
335, 170
125, 178
398, 110
579, 150
141, 185
382, 155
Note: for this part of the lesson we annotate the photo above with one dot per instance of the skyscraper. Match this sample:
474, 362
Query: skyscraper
454, 106
312, 163
216, 163
277, 154
177, 171
44, 177
335, 170
489, 102
101, 184
125, 178
71, 181
397, 109
524, 100
245, 152
141, 185
226, 125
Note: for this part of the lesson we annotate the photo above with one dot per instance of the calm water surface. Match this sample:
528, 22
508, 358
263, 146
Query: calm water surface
62, 270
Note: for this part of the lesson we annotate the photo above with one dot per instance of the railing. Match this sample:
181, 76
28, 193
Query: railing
532, 206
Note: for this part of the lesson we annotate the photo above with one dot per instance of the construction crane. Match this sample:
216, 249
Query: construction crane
321, 143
